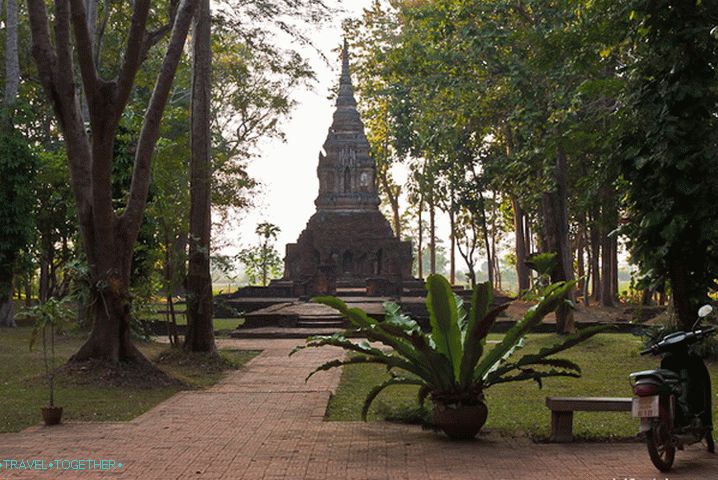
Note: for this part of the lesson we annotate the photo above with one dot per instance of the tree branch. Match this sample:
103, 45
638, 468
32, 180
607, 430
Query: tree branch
55, 68
101, 33
153, 37
133, 54
83, 45
132, 216
63, 48
42, 50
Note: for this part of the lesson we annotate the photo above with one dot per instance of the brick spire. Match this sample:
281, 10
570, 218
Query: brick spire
346, 90
346, 171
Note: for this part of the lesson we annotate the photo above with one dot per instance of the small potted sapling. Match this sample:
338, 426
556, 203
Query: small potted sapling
49, 318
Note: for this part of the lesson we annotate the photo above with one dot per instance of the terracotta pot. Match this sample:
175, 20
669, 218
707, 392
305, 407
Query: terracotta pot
460, 422
52, 415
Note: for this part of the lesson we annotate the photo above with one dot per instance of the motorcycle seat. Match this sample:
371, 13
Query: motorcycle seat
660, 375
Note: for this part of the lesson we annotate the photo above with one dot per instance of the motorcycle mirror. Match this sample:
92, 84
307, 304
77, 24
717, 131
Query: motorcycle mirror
704, 311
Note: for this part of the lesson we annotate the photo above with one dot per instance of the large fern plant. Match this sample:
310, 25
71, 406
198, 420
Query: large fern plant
450, 363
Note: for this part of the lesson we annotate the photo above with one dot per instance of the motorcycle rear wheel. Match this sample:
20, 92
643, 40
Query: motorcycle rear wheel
660, 446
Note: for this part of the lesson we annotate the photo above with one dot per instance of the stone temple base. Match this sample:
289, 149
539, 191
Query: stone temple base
347, 249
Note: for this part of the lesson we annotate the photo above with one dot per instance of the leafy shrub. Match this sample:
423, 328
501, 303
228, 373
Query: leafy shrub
449, 364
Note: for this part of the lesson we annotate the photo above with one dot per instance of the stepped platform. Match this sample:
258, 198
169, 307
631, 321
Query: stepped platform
298, 319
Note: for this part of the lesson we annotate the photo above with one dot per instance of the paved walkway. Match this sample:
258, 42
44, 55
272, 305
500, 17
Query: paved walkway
264, 422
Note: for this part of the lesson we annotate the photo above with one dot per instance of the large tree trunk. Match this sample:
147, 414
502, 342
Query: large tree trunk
12, 82
529, 242
7, 312
452, 241
496, 264
91, 12
580, 261
432, 236
557, 239
110, 339
595, 268
396, 215
522, 271
391, 190
420, 252
487, 242
200, 331
614, 267
107, 236
606, 270
7, 309
609, 258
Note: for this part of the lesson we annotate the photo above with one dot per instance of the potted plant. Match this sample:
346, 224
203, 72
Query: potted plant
49, 318
449, 364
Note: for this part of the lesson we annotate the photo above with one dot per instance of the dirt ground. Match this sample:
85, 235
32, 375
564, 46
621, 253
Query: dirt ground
621, 314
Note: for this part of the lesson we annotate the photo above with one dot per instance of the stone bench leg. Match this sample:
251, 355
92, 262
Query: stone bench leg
561, 427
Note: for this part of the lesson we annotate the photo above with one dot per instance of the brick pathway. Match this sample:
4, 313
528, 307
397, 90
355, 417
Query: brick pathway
264, 422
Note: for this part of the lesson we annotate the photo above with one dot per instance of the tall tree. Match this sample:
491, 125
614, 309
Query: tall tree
16, 171
372, 35
200, 330
555, 215
108, 234
520, 247
669, 153
262, 262
12, 58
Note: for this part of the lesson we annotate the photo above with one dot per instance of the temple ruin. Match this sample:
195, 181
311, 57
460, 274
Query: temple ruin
347, 243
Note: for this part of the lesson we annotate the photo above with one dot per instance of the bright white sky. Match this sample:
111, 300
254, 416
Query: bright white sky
288, 170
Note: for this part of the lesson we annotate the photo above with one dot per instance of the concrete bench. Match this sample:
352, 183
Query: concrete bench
562, 409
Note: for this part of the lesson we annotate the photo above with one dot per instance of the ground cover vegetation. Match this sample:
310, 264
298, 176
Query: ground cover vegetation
98, 394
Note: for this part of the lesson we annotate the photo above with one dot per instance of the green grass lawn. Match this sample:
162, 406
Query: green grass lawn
23, 389
519, 408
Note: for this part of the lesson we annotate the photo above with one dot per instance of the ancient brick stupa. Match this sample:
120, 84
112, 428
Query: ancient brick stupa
347, 242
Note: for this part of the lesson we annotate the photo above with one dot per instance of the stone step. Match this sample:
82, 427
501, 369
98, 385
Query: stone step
282, 332
320, 322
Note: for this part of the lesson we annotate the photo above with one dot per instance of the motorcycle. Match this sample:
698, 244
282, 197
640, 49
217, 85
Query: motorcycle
674, 402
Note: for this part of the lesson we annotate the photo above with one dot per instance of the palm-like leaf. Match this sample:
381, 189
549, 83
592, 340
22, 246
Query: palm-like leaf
537, 376
413, 345
351, 361
542, 356
395, 317
371, 328
554, 294
444, 320
448, 362
477, 328
572, 340
499, 375
379, 388
363, 347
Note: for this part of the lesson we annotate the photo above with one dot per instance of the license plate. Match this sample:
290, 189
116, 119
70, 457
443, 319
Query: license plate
645, 407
